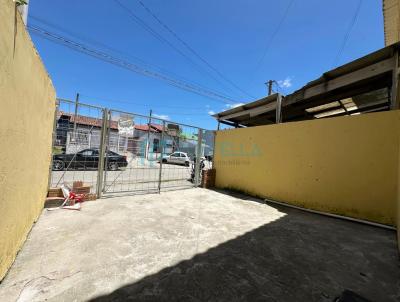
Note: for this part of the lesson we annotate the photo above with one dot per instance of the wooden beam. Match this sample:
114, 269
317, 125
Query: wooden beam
394, 93
251, 112
377, 107
374, 107
337, 96
359, 75
257, 121
236, 125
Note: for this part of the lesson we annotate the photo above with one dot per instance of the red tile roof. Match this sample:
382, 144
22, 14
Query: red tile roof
86, 120
145, 127
96, 122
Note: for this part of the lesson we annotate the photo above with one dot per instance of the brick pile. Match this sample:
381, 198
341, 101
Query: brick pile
55, 196
79, 187
208, 178
55, 192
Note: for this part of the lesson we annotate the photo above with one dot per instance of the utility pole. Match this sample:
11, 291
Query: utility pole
148, 135
269, 83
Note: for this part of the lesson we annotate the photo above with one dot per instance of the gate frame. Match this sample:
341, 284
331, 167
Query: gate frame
104, 143
102, 151
197, 170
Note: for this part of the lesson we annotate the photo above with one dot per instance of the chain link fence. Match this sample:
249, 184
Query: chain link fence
116, 152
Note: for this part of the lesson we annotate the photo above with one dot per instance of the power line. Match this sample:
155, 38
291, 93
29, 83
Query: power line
138, 104
194, 52
347, 35
127, 65
143, 24
99, 99
148, 106
272, 37
130, 56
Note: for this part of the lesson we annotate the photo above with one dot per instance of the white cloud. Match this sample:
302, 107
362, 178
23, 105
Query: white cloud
286, 83
211, 112
161, 116
230, 106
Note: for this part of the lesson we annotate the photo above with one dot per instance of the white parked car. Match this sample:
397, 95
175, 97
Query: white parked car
177, 158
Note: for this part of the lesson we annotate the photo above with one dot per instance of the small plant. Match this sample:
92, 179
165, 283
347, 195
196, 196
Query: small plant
20, 2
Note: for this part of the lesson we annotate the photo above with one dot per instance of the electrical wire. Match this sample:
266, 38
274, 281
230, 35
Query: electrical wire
137, 104
99, 99
347, 35
116, 51
194, 52
146, 27
272, 37
127, 65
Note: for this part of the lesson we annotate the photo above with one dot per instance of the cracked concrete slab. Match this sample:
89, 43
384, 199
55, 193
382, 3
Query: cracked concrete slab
200, 245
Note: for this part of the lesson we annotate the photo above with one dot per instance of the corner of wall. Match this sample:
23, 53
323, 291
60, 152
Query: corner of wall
26, 128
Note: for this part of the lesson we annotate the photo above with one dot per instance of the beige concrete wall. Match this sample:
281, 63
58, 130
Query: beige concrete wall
391, 14
342, 165
27, 100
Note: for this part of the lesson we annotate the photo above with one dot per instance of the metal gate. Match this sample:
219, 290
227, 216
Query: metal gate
116, 152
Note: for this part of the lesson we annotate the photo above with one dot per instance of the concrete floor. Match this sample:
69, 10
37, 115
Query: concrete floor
135, 177
200, 245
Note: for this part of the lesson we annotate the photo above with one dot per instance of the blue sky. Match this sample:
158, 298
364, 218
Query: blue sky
232, 35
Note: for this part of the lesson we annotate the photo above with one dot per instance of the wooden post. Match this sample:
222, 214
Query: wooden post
394, 93
279, 109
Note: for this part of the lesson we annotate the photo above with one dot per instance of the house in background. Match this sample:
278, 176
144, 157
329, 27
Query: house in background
74, 133
188, 143
77, 133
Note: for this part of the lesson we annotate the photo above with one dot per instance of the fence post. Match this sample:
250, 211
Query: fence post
102, 149
197, 170
53, 140
107, 144
161, 157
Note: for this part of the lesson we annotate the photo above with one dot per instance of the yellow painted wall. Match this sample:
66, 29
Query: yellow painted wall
27, 104
391, 17
342, 165
398, 206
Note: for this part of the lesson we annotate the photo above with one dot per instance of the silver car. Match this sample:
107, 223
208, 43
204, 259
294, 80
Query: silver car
177, 158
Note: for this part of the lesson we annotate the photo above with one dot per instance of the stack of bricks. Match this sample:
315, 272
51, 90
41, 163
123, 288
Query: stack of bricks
55, 192
208, 178
54, 199
90, 196
79, 187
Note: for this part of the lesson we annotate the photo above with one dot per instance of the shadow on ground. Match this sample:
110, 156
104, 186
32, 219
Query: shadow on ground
299, 257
